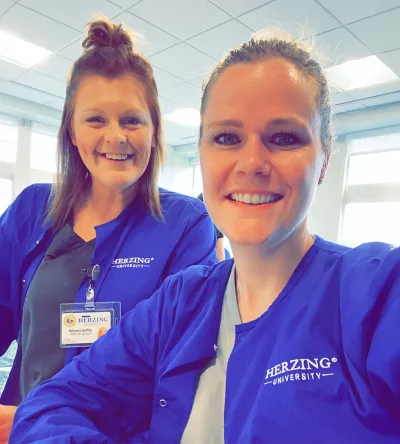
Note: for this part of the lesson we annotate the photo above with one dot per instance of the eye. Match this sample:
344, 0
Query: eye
283, 139
131, 121
226, 138
95, 119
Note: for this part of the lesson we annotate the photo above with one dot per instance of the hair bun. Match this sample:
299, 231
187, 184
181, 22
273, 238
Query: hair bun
102, 34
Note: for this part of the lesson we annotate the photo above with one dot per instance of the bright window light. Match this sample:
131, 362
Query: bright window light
360, 73
185, 117
20, 52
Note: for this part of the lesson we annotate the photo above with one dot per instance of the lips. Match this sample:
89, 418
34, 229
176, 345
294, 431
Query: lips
118, 157
255, 198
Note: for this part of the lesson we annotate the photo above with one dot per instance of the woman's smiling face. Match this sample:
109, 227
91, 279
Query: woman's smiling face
260, 151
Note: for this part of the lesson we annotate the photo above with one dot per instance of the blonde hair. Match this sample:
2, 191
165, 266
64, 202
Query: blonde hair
273, 44
108, 51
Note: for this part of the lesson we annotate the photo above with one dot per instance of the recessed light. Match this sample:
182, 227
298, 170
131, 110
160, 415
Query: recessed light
185, 117
360, 73
20, 52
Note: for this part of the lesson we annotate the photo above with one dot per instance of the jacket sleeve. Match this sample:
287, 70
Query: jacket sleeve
7, 328
383, 360
197, 246
105, 394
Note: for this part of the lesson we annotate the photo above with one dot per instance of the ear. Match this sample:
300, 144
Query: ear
324, 168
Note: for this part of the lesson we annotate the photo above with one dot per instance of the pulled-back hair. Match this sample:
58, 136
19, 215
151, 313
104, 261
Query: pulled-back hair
108, 52
279, 45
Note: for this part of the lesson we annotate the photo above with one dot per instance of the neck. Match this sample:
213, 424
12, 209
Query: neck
101, 206
263, 271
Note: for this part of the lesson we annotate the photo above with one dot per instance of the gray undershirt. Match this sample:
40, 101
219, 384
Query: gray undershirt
56, 281
206, 421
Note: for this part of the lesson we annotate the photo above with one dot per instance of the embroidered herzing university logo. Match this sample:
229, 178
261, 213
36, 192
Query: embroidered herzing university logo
132, 262
303, 369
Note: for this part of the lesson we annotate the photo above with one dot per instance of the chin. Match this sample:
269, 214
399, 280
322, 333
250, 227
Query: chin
248, 238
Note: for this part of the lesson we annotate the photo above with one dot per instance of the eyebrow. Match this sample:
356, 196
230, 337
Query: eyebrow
228, 122
285, 121
129, 111
239, 124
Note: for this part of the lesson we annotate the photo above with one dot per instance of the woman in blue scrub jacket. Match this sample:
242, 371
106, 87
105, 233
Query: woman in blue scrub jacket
295, 341
105, 226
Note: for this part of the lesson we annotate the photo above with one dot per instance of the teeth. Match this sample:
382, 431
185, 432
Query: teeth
254, 199
116, 156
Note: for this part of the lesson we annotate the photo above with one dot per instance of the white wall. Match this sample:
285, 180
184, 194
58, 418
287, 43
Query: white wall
325, 215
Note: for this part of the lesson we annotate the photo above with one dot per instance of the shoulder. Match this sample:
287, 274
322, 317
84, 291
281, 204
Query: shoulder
35, 194
365, 278
198, 283
371, 254
175, 202
31, 203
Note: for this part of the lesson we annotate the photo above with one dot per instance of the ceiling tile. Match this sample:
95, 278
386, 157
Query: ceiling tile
380, 33
10, 70
165, 79
73, 51
185, 94
166, 106
43, 83
150, 39
338, 46
36, 28
364, 93
381, 100
124, 3
193, 16
349, 11
184, 61
56, 103
74, 13
24, 92
237, 7
392, 60
57, 67
198, 81
219, 40
298, 17
5, 5
346, 107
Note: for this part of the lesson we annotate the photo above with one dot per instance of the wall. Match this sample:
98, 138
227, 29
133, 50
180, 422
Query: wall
325, 215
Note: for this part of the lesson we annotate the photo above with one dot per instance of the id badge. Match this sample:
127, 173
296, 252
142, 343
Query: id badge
81, 326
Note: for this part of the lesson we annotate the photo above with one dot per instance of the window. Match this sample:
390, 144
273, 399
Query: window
6, 194
183, 181
374, 168
43, 152
8, 142
369, 222
6, 362
197, 181
372, 192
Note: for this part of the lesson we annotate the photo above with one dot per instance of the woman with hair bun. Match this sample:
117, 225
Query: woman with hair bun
104, 236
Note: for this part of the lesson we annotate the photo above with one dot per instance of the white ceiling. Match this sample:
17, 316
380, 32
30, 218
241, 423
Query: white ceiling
184, 39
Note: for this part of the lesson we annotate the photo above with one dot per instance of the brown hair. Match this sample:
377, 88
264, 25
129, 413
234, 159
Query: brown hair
108, 52
279, 45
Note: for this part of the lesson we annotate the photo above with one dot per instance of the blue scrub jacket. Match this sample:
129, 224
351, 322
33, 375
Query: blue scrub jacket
321, 365
135, 253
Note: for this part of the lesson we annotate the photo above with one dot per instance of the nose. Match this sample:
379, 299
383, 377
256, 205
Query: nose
114, 134
254, 158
